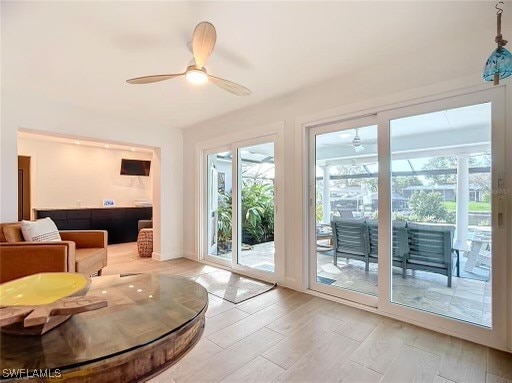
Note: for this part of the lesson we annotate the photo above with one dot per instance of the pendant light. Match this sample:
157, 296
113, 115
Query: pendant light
499, 63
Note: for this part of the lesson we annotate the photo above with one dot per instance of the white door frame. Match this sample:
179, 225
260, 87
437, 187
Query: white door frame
270, 133
497, 335
204, 223
339, 292
278, 200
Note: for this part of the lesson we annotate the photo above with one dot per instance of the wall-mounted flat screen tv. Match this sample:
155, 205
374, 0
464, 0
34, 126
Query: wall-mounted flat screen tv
135, 167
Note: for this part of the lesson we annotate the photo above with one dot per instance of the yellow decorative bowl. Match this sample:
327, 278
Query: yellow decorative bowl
41, 289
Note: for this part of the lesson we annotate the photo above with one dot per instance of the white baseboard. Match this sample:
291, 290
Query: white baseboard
293, 284
190, 255
159, 257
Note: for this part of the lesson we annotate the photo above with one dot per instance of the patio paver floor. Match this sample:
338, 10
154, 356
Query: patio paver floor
468, 299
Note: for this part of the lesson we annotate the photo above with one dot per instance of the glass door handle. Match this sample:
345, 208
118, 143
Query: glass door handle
501, 194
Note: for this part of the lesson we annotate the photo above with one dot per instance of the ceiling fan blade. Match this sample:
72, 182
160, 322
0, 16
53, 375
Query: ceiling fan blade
231, 87
150, 79
203, 42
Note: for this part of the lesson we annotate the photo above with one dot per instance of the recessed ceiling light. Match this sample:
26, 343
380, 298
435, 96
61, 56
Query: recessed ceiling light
106, 146
344, 135
77, 142
132, 149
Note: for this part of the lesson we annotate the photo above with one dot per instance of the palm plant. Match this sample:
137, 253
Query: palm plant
224, 217
257, 214
257, 211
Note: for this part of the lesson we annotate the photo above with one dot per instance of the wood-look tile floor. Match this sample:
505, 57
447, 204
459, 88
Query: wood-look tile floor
288, 336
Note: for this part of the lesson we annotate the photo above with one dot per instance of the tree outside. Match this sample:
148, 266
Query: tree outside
429, 207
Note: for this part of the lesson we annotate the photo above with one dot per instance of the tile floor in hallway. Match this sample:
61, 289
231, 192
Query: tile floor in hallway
288, 336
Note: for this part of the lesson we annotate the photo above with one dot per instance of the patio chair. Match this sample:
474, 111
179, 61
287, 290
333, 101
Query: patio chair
400, 243
430, 249
346, 214
479, 253
323, 233
350, 240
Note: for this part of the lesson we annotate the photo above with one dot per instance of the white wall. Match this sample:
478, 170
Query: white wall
382, 87
67, 175
43, 115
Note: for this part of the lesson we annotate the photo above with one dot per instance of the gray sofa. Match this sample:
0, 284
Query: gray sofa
350, 240
415, 246
430, 249
400, 243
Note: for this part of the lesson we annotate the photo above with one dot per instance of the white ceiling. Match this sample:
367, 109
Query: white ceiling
73, 141
447, 132
82, 52
454, 123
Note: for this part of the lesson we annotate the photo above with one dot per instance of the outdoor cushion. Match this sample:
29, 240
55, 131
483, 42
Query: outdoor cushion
426, 263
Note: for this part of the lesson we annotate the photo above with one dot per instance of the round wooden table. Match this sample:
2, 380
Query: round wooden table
151, 321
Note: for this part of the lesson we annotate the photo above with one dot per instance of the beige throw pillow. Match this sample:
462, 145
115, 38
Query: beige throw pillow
42, 230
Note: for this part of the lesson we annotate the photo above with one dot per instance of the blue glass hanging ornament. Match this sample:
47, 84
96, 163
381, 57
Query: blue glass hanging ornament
499, 63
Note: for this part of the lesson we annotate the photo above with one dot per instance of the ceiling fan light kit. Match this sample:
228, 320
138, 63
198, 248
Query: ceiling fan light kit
196, 76
203, 42
357, 143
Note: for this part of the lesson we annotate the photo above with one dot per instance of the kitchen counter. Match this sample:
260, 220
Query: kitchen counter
84, 207
120, 222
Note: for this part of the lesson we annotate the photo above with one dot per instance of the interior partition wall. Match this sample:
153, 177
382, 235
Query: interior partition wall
407, 213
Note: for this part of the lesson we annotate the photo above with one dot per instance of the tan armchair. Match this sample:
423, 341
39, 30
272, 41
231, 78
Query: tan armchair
83, 252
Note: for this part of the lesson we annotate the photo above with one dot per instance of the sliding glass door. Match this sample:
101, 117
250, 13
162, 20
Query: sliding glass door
256, 207
445, 176
343, 179
219, 188
406, 213
240, 206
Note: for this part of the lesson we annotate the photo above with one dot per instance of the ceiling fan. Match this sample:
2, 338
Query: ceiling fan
357, 143
203, 41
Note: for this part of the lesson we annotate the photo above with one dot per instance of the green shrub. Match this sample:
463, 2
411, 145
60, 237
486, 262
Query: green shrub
224, 217
319, 213
257, 213
429, 207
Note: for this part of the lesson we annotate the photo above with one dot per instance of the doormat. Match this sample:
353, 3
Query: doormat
325, 280
232, 287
